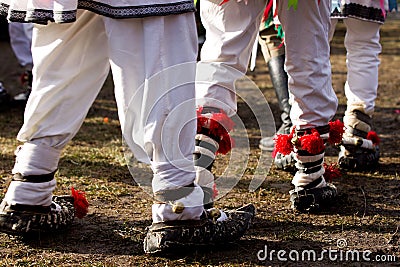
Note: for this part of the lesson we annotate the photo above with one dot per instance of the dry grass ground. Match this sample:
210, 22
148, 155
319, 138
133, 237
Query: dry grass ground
366, 217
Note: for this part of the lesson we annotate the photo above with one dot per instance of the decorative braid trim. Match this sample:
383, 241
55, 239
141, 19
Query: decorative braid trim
363, 12
43, 16
137, 11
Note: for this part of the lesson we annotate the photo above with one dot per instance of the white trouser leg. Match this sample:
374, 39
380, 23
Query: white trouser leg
363, 47
231, 30
20, 43
308, 66
68, 74
70, 67
162, 107
28, 28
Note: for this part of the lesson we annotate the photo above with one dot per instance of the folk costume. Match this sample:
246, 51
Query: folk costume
228, 43
143, 42
231, 30
360, 149
271, 40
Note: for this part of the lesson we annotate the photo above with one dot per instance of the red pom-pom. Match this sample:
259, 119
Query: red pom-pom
220, 122
225, 144
201, 122
373, 136
331, 172
283, 144
336, 130
219, 125
312, 143
80, 203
